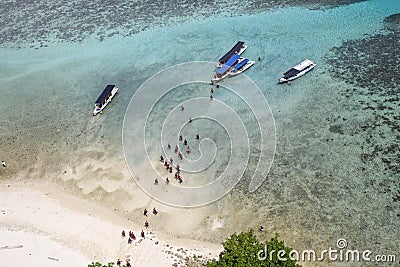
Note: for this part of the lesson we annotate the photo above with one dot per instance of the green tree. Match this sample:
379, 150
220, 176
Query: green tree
244, 249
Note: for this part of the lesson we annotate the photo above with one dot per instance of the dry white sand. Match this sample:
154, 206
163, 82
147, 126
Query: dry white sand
38, 230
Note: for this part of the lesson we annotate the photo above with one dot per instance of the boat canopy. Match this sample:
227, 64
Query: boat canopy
228, 64
290, 73
234, 50
241, 64
105, 94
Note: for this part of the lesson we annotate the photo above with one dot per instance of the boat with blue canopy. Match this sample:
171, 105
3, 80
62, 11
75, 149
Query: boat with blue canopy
241, 67
223, 71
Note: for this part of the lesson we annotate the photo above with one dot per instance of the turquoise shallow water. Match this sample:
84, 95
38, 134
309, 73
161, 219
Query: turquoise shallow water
318, 190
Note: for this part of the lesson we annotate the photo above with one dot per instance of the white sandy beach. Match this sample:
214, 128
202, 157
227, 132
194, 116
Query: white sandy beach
39, 230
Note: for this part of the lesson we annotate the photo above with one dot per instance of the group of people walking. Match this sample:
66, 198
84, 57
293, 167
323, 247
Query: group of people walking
132, 237
168, 164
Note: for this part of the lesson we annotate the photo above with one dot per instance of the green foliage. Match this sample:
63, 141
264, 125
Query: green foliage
243, 250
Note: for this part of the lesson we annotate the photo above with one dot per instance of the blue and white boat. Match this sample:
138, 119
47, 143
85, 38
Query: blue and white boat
105, 98
297, 71
224, 71
241, 67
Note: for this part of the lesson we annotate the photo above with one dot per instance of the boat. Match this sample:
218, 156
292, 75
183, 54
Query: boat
224, 71
237, 49
241, 67
297, 71
105, 98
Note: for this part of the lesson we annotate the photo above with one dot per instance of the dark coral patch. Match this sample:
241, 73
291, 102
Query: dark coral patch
32, 22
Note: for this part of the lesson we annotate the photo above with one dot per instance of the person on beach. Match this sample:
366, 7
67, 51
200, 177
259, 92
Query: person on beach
169, 146
156, 181
176, 175
123, 233
185, 142
182, 108
128, 264
190, 119
261, 228
180, 137
155, 211
167, 180
180, 155
171, 160
161, 158
170, 169
178, 167
176, 149
142, 234
133, 236
180, 179
197, 136
211, 97
146, 224
188, 150
118, 262
3, 163
145, 212
129, 240
212, 91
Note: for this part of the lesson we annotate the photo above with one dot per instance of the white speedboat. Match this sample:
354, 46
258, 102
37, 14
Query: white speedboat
241, 67
224, 71
237, 49
105, 98
297, 71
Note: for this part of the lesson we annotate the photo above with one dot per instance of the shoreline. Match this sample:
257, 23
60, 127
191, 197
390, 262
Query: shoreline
84, 230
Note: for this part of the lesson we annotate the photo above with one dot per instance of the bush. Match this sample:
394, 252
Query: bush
243, 250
